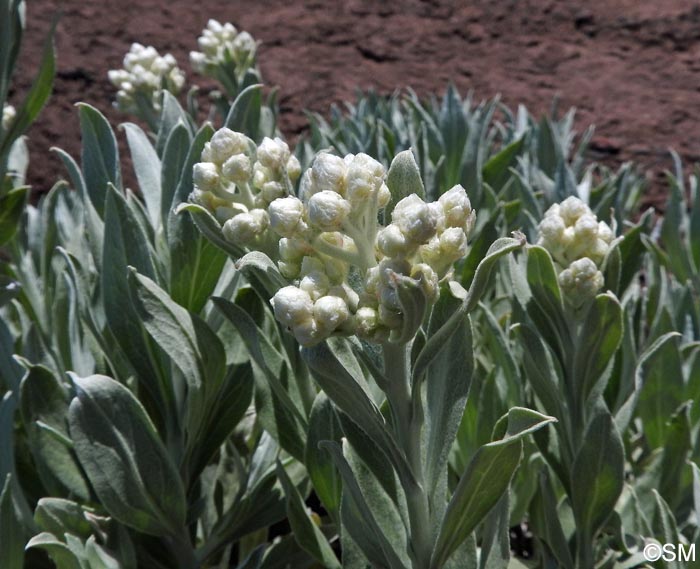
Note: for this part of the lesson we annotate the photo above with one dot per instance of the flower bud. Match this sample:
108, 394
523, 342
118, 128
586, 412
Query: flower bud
308, 333
8, 115
286, 216
581, 281
456, 207
366, 322
392, 242
453, 243
292, 306
237, 168
245, 227
205, 176
328, 210
315, 284
330, 312
328, 174
571, 209
225, 143
273, 154
383, 196
417, 221
293, 168
364, 177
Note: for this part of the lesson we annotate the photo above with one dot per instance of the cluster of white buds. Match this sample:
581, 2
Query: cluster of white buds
8, 115
237, 181
145, 74
331, 237
222, 44
578, 243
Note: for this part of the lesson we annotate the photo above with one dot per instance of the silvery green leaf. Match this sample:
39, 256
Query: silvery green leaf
185, 337
486, 479
331, 363
358, 518
546, 521
496, 172
11, 531
12, 205
403, 179
262, 272
324, 426
100, 155
597, 474
147, 168
59, 516
171, 116
210, 228
439, 338
172, 168
285, 416
125, 460
244, 115
60, 553
306, 532
449, 377
599, 339
495, 545
44, 406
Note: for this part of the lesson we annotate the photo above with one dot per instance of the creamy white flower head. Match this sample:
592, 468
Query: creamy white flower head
292, 306
273, 154
146, 73
581, 281
238, 169
205, 176
286, 216
417, 221
328, 174
245, 227
315, 283
365, 176
572, 208
226, 143
221, 43
328, 210
330, 312
392, 242
8, 115
456, 207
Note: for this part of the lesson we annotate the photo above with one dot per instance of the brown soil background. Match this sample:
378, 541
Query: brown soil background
631, 67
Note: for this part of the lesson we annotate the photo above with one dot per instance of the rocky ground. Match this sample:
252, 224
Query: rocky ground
631, 67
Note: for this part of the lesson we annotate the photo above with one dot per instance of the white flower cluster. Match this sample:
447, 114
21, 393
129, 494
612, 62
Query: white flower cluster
237, 182
8, 115
145, 74
221, 44
331, 236
578, 243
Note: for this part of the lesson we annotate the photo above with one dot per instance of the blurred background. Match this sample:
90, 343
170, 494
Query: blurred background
631, 67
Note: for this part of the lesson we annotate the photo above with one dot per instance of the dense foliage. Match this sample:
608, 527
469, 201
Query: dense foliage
431, 325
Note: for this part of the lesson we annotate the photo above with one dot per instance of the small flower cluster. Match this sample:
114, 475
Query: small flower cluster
221, 44
145, 74
237, 182
578, 243
8, 115
330, 237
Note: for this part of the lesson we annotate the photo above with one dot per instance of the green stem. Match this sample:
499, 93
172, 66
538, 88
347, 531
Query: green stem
408, 425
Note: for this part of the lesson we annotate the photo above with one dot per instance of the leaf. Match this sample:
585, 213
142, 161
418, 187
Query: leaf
324, 426
306, 532
59, 516
60, 553
547, 521
496, 171
262, 272
11, 530
403, 179
44, 406
12, 206
438, 340
173, 163
194, 348
599, 339
35, 99
147, 168
365, 530
448, 381
244, 115
210, 228
486, 479
100, 155
126, 462
495, 545
329, 364
597, 474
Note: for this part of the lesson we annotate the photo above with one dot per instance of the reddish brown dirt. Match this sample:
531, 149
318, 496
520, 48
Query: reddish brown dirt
632, 67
